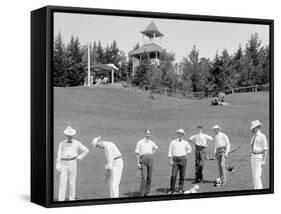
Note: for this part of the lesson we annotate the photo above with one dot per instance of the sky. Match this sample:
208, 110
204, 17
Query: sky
179, 35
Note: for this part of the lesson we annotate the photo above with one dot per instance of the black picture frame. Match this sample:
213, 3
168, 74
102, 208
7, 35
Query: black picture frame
42, 104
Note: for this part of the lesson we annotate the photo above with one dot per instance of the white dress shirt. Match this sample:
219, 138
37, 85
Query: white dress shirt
221, 140
179, 148
201, 139
259, 142
70, 150
111, 152
145, 147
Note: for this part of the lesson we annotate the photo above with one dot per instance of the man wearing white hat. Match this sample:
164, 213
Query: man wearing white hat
177, 154
259, 153
145, 149
222, 147
66, 162
201, 141
114, 166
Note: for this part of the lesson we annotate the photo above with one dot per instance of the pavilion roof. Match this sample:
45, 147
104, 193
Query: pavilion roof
103, 67
152, 29
147, 48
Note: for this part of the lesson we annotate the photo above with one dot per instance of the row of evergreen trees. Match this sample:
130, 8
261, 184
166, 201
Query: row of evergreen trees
246, 67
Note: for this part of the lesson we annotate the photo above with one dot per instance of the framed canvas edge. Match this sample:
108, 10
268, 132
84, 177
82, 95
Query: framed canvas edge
49, 104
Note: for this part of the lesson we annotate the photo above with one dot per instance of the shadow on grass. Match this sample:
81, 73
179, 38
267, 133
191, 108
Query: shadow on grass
204, 181
132, 194
163, 190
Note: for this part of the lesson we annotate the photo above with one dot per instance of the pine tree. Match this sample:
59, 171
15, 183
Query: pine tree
94, 54
59, 60
251, 69
75, 68
100, 54
141, 77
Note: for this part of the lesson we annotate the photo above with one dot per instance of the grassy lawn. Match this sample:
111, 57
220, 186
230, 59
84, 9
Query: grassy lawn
120, 115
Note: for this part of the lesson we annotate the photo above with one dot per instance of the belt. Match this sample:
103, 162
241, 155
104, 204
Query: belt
257, 153
221, 149
145, 155
200, 147
117, 157
179, 157
68, 159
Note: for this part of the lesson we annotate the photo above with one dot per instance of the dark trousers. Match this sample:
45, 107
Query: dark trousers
146, 162
200, 156
178, 167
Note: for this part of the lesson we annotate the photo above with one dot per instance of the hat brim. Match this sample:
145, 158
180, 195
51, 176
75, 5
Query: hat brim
219, 128
71, 134
256, 125
181, 133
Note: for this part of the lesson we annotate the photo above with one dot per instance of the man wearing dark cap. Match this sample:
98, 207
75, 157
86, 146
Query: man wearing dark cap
144, 151
201, 142
178, 151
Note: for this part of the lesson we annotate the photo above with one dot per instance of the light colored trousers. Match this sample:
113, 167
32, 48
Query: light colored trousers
221, 165
256, 163
115, 178
68, 173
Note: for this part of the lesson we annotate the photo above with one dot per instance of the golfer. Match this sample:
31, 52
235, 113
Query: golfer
259, 153
114, 166
144, 153
222, 147
177, 154
66, 163
201, 142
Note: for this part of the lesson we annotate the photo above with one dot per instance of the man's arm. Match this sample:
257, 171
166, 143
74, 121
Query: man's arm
138, 160
191, 140
84, 150
264, 157
170, 153
137, 151
209, 140
59, 155
227, 146
265, 148
215, 148
154, 148
188, 148
109, 158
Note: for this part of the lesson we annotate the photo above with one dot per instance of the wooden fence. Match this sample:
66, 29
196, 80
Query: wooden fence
195, 95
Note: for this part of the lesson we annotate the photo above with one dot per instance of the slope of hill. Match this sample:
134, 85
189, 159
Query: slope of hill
121, 115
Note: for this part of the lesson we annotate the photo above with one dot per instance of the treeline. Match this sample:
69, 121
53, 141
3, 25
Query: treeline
246, 67
70, 60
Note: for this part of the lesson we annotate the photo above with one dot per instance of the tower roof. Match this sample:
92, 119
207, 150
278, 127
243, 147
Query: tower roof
148, 48
152, 29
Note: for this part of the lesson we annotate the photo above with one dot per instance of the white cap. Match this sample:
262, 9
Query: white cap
69, 131
95, 141
216, 127
255, 123
147, 132
180, 131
